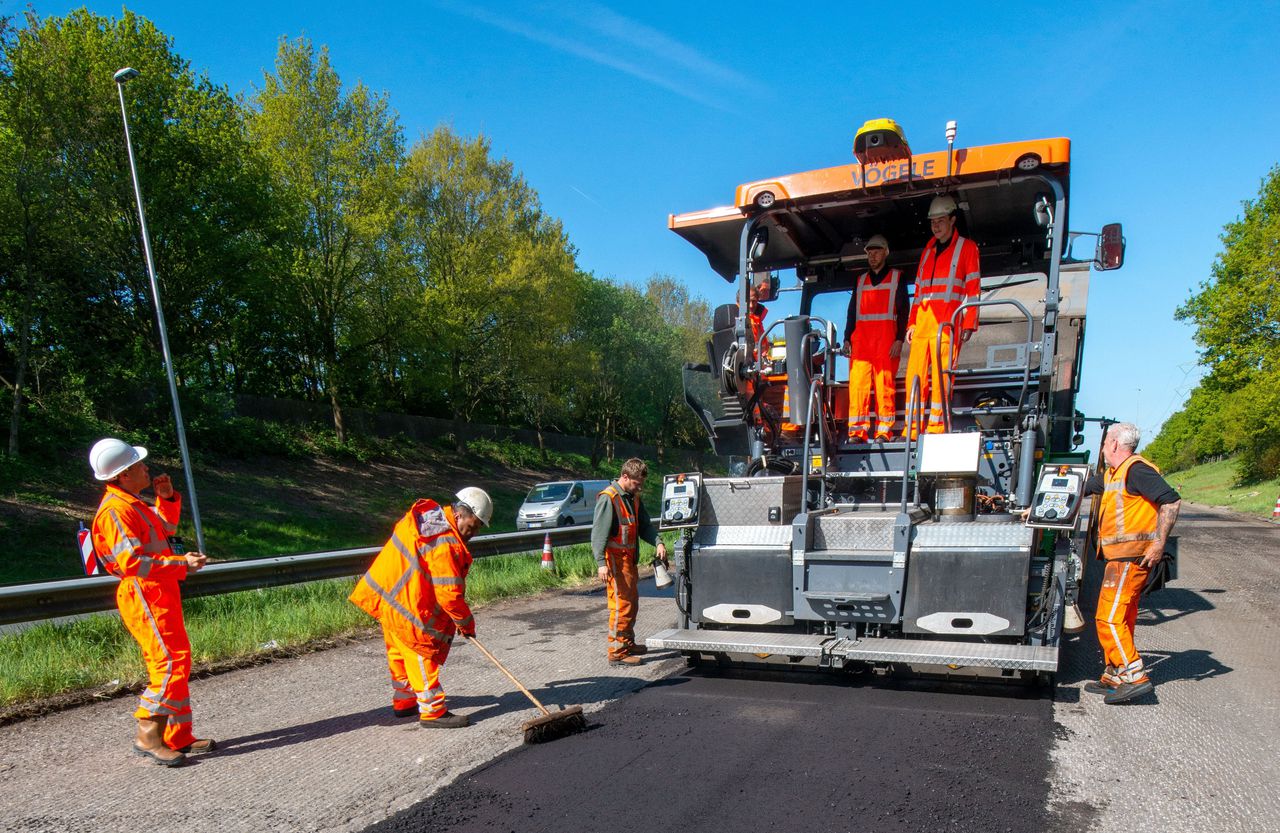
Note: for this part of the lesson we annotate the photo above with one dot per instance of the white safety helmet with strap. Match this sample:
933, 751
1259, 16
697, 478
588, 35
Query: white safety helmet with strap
477, 500
943, 205
109, 457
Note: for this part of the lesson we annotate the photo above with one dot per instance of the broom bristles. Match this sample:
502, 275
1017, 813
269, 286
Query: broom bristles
554, 726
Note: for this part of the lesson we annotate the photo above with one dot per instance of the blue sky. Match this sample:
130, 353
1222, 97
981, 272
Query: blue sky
619, 114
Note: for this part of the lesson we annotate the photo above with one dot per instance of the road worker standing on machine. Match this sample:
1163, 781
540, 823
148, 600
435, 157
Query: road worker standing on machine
416, 588
135, 543
948, 276
874, 333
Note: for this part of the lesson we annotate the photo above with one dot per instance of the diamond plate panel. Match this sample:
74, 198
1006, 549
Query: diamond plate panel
776, 537
937, 652
746, 642
745, 501
853, 532
971, 535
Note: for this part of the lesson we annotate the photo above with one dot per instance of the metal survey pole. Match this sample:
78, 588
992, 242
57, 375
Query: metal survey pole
123, 77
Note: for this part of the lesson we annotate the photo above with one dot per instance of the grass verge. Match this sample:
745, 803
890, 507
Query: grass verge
1217, 484
53, 665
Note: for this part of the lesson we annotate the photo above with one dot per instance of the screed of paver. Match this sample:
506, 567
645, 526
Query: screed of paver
310, 743
765, 751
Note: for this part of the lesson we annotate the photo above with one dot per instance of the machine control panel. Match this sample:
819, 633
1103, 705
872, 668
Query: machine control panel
1059, 495
680, 496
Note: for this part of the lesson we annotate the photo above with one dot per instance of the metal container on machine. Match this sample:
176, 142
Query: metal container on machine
953, 498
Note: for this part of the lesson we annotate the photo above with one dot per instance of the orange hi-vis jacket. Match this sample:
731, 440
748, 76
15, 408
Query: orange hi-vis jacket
626, 541
131, 539
1127, 522
755, 327
944, 282
874, 307
416, 585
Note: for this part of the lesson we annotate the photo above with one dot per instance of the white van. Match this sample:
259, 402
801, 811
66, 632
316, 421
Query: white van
563, 503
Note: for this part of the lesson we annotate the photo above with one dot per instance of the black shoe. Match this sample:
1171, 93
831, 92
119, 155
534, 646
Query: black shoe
448, 720
1098, 687
407, 711
1128, 691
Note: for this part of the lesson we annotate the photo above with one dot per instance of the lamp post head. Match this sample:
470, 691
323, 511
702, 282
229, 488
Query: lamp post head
127, 74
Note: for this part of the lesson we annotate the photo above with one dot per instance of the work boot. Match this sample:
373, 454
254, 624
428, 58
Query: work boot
448, 720
199, 747
407, 711
1127, 691
637, 650
625, 659
150, 742
1098, 687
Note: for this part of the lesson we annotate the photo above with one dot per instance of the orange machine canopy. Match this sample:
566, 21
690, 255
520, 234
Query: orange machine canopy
824, 214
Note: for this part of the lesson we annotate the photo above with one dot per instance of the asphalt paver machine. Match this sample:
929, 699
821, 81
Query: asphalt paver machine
954, 553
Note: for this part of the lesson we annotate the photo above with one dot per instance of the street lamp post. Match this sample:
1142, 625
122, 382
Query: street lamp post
123, 77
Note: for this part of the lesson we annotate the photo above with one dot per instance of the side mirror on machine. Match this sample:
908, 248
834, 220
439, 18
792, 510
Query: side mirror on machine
766, 286
1110, 252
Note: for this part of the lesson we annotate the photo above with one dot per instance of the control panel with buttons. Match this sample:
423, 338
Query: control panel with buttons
1059, 494
680, 493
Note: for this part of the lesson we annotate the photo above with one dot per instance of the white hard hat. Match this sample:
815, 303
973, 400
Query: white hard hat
877, 242
109, 457
942, 206
477, 500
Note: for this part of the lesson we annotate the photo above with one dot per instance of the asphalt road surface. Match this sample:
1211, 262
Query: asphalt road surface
309, 743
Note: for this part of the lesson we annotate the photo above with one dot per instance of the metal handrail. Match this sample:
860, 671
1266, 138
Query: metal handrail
948, 372
70, 597
913, 405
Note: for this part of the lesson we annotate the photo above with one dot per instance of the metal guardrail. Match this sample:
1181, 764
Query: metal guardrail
52, 599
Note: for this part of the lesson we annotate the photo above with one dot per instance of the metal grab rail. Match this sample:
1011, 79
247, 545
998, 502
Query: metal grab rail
948, 372
52, 599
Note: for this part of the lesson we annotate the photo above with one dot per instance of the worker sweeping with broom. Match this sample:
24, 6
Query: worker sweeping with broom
416, 587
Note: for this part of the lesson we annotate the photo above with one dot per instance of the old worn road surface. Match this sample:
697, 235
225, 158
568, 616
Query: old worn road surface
309, 744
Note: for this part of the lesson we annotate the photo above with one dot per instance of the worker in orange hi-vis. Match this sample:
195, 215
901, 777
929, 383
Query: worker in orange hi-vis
416, 587
619, 524
874, 332
1136, 512
135, 543
948, 276
756, 312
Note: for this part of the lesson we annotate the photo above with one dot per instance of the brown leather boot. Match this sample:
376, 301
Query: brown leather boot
150, 742
199, 747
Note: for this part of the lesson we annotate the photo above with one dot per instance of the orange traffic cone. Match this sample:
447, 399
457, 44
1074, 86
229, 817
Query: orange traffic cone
548, 560
1275, 513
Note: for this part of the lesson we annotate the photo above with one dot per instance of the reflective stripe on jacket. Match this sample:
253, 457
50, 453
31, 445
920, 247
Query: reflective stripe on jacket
416, 586
875, 303
132, 539
1126, 522
945, 290
625, 541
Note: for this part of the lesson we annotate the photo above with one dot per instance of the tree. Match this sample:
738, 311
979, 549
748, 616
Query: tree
335, 156
495, 280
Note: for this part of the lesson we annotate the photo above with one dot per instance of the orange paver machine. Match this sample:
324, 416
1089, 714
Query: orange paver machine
912, 551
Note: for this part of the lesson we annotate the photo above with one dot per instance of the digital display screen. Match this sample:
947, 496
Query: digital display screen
1059, 483
677, 490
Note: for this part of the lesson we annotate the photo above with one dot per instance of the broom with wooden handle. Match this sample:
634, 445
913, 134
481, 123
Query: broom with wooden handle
552, 725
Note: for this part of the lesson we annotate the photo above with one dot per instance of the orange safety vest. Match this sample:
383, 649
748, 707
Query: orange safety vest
624, 542
755, 326
131, 539
416, 586
944, 292
875, 303
1126, 522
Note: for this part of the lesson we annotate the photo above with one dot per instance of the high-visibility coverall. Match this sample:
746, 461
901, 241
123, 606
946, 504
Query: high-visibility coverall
874, 325
755, 327
1127, 524
616, 531
416, 589
944, 280
131, 539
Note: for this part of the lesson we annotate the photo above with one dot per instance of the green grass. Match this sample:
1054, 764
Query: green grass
1217, 484
96, 652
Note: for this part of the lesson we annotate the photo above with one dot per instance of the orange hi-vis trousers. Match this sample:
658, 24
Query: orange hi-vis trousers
622, 588
935, 386
413, 678
870, 365
1115, 619
152, 612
